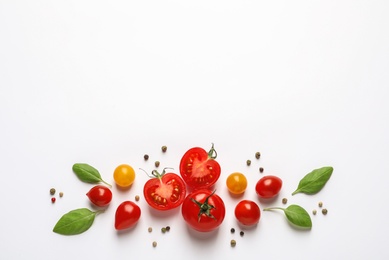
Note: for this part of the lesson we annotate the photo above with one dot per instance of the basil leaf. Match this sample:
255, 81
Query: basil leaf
75, 222
296, 215
314, 181
87, 173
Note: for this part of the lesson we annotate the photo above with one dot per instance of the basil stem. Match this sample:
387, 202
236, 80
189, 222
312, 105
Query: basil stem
75, 222
296, 215
87, 173
314, 181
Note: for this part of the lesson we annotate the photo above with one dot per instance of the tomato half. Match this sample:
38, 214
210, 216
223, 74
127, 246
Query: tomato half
268, 186
203, 210
165, 191
199, 169
100, 195
247, 212
127, 215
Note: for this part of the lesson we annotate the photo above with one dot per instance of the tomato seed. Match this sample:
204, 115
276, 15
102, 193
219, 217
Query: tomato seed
261, 169
284, 200
164, 148
146, 157
233, 242
324, 211
257, 155
248, 162
157, 163
52, 191
52, 200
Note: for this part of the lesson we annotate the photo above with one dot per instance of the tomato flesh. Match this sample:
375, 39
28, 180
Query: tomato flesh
127, 215
165, 192
268, 186
247, 212
203, 210
199, 169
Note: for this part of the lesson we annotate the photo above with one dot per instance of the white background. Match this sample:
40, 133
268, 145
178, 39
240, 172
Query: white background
104, 82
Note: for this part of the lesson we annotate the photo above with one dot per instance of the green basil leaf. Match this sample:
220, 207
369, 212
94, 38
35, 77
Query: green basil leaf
296, 215
314, 181
75, 222
87, 173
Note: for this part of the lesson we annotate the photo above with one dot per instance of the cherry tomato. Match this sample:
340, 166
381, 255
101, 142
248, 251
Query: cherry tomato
203, 210
124, 175
247, 212
165, 191
236, 183
127, 215
199, 169
100, 195
268, 186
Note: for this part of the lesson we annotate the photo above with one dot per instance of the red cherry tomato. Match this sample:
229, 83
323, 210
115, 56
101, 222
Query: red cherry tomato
247, 212
100, 195
165, 191
268, 186
203, 210
127, 215
199, 169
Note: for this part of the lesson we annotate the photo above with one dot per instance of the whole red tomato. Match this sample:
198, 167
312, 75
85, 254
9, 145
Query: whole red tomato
127, 215
165, 191
199, 169
247, 212
100, 195
268, 186
203, 210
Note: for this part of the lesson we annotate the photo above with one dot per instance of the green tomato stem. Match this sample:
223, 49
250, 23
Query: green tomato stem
272, 208
106, 183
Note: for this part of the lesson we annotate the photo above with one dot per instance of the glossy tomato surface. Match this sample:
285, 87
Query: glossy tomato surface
247, 212
268, 186
203, 210
124, 175
100, 195
199, 168
127, 215
236, 183
165, 191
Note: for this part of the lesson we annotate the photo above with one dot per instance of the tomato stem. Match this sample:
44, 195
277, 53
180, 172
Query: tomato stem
106, 183
205, 208
272, 208
212, 153
155, 173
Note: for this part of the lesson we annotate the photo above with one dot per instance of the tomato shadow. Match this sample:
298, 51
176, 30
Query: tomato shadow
125, 232
246, 227
202, 236
122, 189
164, 213
267, 201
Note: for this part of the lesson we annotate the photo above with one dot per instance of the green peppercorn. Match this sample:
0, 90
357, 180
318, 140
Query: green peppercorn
248, 162
324, 211
164, 148
233, 242
314, 212
320, 204
257, 155
284, 200
61, 194
163, 230
157, 163
52, 191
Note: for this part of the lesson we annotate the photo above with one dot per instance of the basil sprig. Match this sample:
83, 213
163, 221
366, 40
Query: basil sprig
75, 222
87, 173
314, 181
296, 215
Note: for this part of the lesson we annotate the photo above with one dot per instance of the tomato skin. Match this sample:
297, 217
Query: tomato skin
268, 186
199, 169
190, 210
247, 212
236, 183
127, 215
124, 175
100, 195
165, 192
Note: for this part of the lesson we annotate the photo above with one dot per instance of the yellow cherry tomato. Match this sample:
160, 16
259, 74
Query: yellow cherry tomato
236, 183
124, 175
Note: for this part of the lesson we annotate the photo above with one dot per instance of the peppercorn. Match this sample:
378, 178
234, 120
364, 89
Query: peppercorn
52, 191
320, 204
163, 230
314, 212
157, 163
324, 211
257, 155
154, 244
146, 157
137, 198
150, 229
248, 162
241, 233
232, 230
233, 242
61, 194
284, 200
168, 228
164, 148
261, 169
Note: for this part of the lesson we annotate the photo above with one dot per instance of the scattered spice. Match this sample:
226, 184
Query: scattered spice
53, 200
150, 229
314, 212
154, 244
320, 204
232, 230
168, 228
137, 198
61, 194
241, 233
233, 242
163, 230
52, 191
157, 163
248, 162
261, 169
146, 157
284, 200
164, 148
324, 211
257, 155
